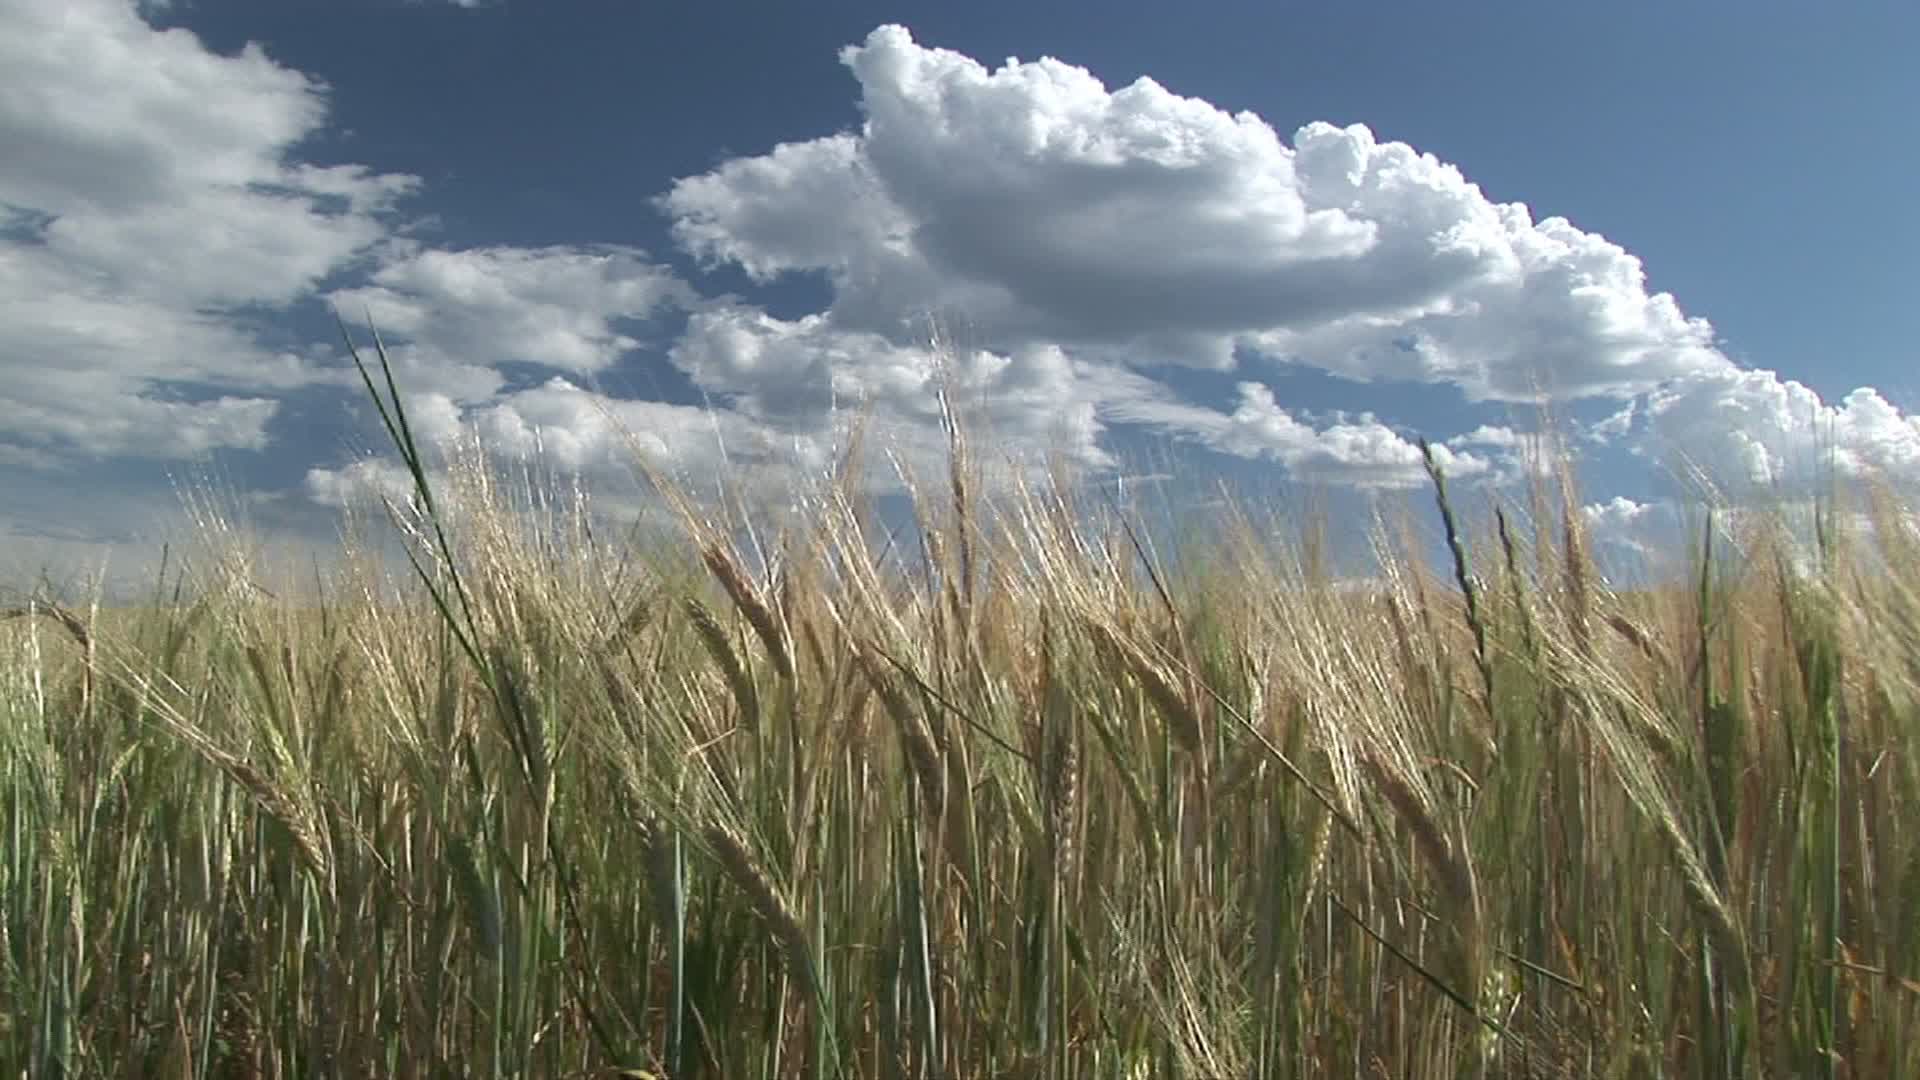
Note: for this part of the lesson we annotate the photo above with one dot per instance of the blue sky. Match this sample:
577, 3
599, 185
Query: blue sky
1275, 240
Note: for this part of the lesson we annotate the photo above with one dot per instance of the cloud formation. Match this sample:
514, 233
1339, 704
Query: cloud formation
1135, 228
563, 426
1091, 246
151, 203
1752, 428
1052, 210
1350, 451
557, 307
1615, 517
807, 375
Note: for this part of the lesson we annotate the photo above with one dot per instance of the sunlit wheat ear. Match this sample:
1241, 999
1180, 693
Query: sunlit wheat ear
1416, 672
1059, 753
1449, 866
1063, 794
923, 755
76, 629
1446, 859
301, 824
71, 623
1173, 706
767, 902
1469, 592
745, 597
1577, 568
1638, 748
712, 635
1516, 579
810, 640
1317, 854
1634, 636
526, 716
957, 470
300, 820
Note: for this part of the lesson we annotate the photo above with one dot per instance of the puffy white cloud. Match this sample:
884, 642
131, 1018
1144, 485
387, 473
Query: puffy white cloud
563, 426
1538, 309
1358, 451
1132, 227
368, 479
1047, 209
1616, 513
1493, 435
451, 317
1871, 434
1111, 229
805, 376
429, 368
557, 306
1516, 455
83, 371
1056, 219
1362, 451
214, 247
744, 211
1630, 540
576, 429
1754, 428
149, 200
104, 113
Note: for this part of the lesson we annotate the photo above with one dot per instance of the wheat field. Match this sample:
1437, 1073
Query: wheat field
1005, 794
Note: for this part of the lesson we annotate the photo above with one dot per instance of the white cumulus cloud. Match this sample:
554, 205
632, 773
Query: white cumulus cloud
559, 307
1627, 538
1618, 512
1050, 209
563, 426
1358, 451
1362, 451
806, 376
1128, 228
1755, 428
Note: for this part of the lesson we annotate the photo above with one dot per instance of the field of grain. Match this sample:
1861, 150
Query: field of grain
1015, 797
